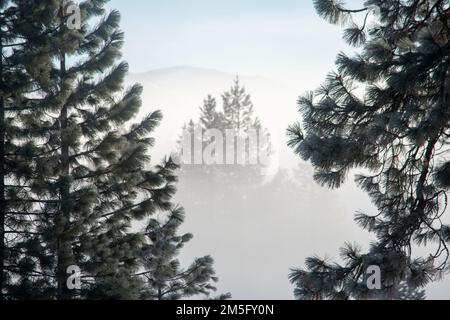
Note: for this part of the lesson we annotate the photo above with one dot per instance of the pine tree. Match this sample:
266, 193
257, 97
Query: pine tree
23, 69
209, 116
166, 280
385, 110
407, 292
236, 124
93, 179
238, 109
238, 115
75, 172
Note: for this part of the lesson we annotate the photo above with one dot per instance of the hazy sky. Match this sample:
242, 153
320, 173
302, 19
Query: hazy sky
281, 39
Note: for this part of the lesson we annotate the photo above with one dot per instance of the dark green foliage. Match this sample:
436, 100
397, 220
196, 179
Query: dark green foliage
76, 171
407, 292
324, 279
23, 69
385, 110
94, 161
166, 279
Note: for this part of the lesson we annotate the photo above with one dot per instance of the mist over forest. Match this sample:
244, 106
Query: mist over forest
253, 226
219, 150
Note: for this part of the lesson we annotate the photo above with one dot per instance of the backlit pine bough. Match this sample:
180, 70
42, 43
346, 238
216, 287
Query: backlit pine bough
386, 110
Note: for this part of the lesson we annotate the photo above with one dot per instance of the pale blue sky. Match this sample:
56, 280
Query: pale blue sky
281, 39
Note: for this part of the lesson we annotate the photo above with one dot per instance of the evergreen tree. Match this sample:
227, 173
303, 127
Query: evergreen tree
407, 292
236, 121
93, 181
166, 280
238, 115
238, 109
323, 279
24, 67
75, 173
385, 110
209, 116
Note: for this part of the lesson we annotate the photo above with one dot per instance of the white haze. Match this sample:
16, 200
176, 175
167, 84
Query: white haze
253, 246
